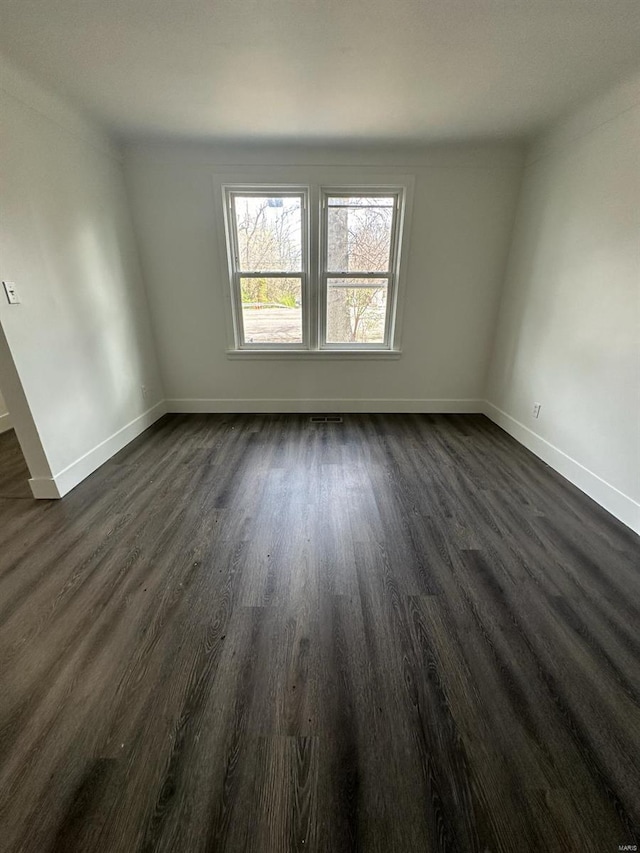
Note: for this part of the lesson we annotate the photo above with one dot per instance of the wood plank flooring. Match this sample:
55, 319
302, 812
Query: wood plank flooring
14, 474
401, 634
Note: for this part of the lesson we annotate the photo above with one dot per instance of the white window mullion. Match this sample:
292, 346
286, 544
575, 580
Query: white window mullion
312, 269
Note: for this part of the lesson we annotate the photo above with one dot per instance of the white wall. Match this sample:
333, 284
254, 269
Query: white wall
462, 215
569, 329
79, 344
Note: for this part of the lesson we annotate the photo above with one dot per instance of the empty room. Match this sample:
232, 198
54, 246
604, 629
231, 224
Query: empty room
319, 426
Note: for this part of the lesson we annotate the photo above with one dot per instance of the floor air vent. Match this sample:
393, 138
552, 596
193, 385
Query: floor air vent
326, 419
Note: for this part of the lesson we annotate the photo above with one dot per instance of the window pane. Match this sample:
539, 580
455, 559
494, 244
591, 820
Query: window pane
356, 310
269, 231
272, 310
359, 235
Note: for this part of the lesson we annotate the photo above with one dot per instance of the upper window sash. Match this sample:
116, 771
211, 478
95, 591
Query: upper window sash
246, 210
373, 215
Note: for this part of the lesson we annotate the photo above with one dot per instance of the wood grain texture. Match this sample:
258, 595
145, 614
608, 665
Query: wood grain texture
14, 474
253, 633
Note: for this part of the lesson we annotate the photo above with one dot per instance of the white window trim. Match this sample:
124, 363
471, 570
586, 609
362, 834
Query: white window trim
312, 355
402, 185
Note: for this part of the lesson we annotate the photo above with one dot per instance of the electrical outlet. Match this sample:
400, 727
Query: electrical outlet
12, 294
536, 410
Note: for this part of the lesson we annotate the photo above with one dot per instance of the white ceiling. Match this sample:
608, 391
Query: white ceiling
375, 70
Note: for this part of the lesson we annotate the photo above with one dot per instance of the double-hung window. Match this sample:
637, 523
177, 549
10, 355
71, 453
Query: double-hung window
269, 264
358, 268
314, 269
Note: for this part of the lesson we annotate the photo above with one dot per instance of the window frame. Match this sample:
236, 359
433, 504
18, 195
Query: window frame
314, 272
236, 274
398, 193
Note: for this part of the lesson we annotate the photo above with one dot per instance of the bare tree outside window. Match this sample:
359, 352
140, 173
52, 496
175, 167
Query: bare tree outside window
269, 234
345, 300
269, 240
359, 233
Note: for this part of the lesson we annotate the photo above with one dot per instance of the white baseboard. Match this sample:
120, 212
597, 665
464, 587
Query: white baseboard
69, 477
323, 406
5, 422
613, 500
44, 488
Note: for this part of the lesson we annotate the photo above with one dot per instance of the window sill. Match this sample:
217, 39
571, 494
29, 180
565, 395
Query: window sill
314, 355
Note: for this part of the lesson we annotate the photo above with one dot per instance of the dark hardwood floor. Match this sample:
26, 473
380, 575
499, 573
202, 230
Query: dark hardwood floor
14, 474
254, 633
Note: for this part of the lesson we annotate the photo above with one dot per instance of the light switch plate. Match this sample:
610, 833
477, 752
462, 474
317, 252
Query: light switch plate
12, 294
